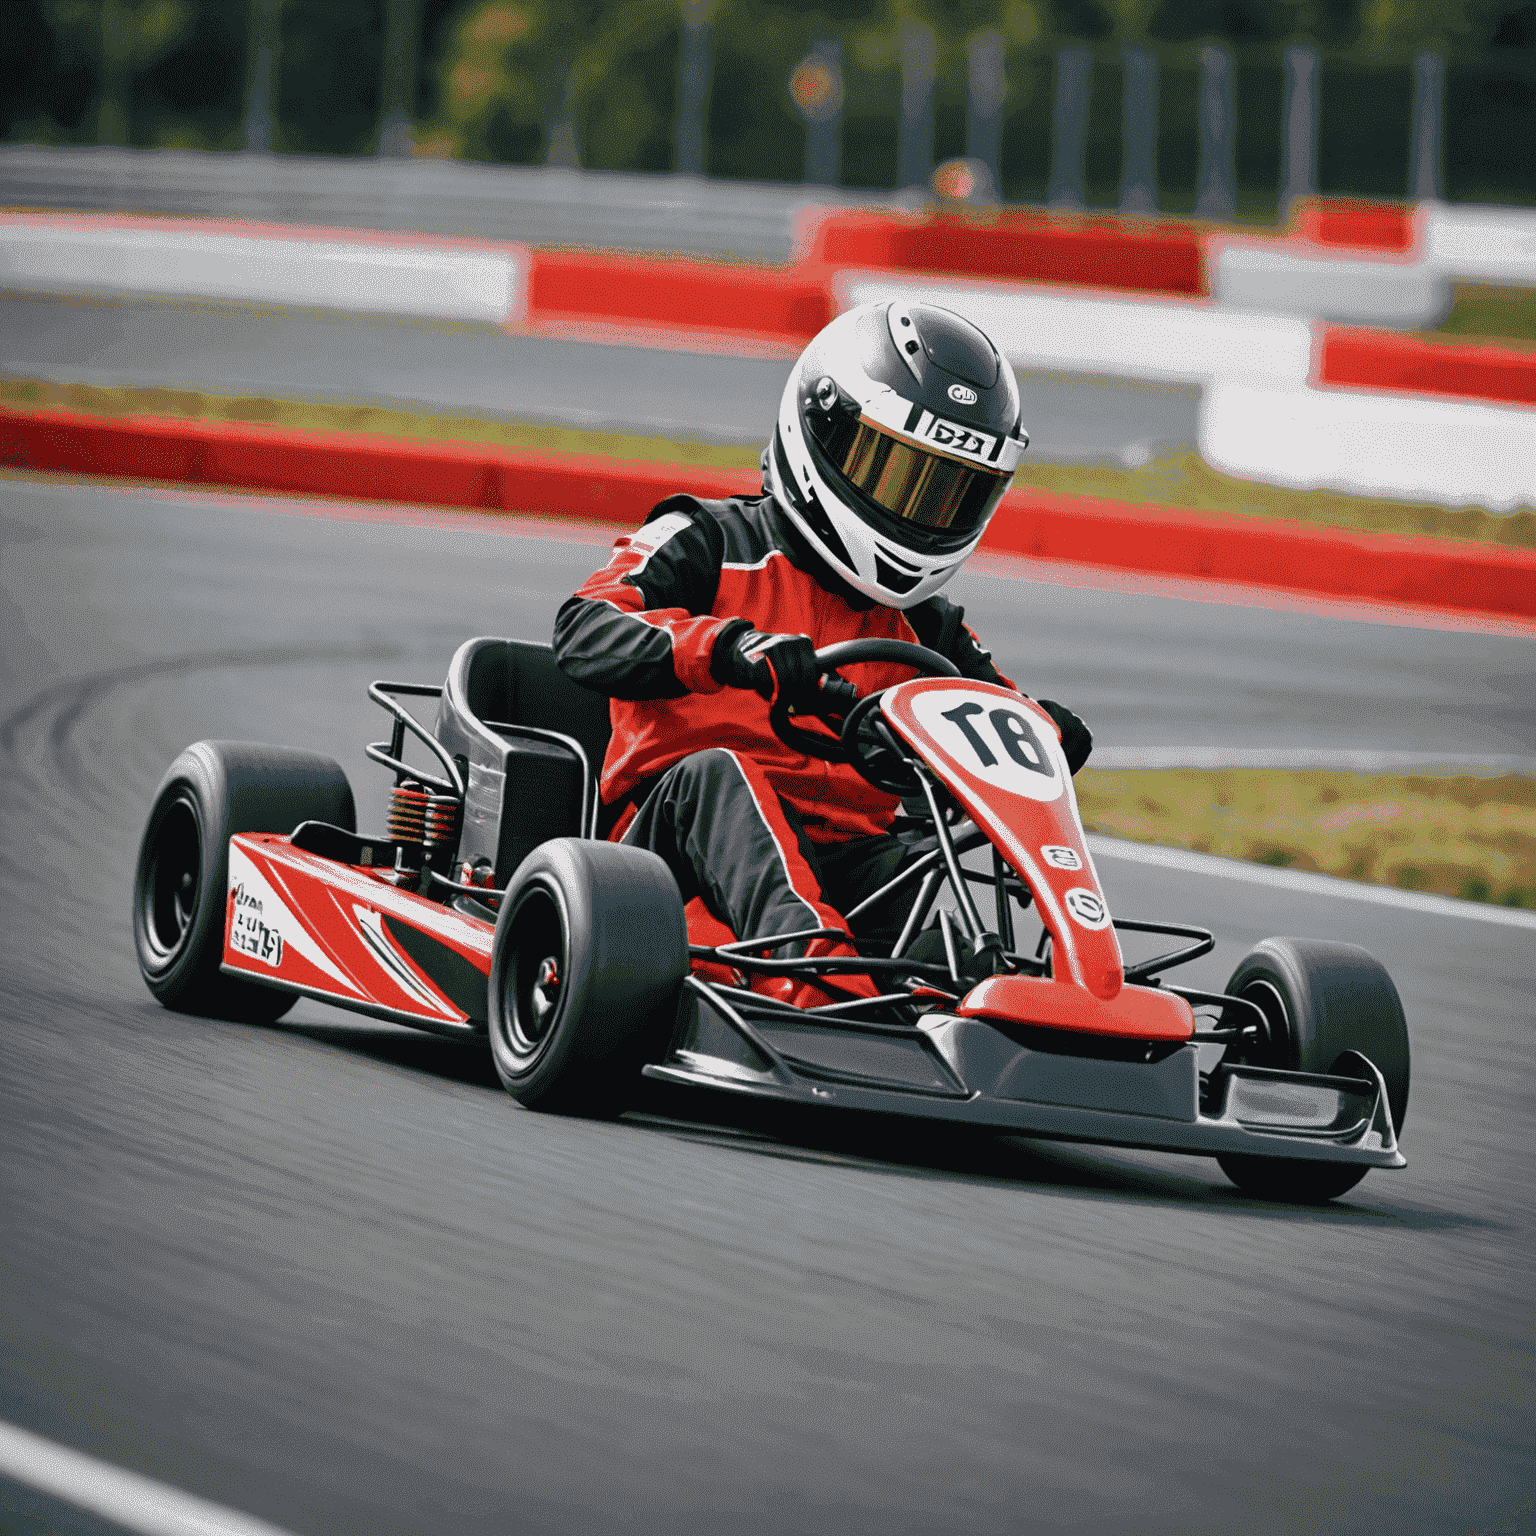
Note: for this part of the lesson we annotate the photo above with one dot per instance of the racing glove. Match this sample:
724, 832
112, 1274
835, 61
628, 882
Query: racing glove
776, 666
1076, 738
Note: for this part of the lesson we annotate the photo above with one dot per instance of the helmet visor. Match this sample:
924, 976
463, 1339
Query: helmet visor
917, 485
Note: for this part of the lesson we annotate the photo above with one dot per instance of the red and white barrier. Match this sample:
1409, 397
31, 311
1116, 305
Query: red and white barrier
271, 264
1481, 245
1182, 341
1358, 410
1411, 448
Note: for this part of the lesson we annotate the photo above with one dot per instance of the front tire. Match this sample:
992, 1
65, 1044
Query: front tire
1326, 1003
213, 790
589, 957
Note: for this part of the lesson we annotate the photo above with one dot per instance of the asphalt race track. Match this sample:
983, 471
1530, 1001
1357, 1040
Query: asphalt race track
454, 367
326, 1273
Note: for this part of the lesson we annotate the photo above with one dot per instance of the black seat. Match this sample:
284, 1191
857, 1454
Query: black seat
521, 788
519, 682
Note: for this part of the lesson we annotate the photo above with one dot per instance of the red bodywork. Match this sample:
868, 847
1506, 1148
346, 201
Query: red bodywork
999, 755
348, 934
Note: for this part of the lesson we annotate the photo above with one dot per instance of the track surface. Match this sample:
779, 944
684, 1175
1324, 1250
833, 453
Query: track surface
243, 349
327, 1273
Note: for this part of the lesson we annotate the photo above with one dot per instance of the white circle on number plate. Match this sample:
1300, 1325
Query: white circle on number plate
998, 741
1087, 907
1059, 857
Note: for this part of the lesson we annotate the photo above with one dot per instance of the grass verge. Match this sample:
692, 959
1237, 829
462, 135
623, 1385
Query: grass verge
1482, 312
1180, 480
1469, 837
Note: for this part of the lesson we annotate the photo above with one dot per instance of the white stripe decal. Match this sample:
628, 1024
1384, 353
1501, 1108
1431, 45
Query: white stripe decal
127, 1499
243, 870
371, 926
753, 565
1307, 884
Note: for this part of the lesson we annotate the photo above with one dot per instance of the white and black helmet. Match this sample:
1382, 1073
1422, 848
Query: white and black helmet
898, 433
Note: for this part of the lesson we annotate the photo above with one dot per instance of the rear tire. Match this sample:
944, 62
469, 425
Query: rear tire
589, 957
1325, 1002
212, 791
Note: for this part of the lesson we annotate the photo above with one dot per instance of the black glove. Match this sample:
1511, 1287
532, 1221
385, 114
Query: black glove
776, 666
1076, 738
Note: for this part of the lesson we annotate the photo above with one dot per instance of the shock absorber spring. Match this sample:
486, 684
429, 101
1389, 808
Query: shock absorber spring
442, 827
408, 812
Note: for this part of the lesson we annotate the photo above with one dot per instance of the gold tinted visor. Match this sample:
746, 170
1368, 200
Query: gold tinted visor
918, 485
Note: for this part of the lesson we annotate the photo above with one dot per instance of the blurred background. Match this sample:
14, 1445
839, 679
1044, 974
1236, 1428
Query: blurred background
1228, 108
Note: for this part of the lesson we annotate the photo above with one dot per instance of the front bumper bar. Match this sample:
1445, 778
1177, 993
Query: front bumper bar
968, 1072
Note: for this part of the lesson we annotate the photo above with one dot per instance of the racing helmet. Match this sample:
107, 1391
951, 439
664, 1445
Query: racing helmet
898, 433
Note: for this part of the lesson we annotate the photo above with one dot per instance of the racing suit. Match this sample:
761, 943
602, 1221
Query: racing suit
770, 840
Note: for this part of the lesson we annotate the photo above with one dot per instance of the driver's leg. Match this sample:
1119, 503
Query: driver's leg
723, 832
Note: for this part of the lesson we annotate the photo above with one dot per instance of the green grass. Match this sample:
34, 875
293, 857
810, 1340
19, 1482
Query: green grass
1469, 837
1181, 480
1487, 313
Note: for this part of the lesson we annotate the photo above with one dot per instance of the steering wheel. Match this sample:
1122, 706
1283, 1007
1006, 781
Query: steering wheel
839, 696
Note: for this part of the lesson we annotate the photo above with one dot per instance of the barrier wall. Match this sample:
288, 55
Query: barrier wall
1430, 573
1138, 256
264, 264
1267, 364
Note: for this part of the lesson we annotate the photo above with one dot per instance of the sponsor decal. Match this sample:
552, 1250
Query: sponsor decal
1087, 907
652, 536
954, 438
249, 931
288, 932
961, 395
1060, 858
995, 741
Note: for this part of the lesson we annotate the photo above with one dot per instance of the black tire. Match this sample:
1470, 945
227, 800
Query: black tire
1325, 1002
606, 924
213, 790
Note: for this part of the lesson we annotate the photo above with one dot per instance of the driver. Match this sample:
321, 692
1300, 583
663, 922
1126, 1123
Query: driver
897, 434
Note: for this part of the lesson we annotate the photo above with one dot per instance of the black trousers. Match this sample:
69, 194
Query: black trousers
730, 839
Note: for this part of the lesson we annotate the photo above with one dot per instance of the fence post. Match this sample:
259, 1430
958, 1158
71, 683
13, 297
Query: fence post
1138, 162
261, 76
1426, 178
1216, 192
694, 66
1298, 168
1069, 128
987, 91
116, 74
398, 86
914, 151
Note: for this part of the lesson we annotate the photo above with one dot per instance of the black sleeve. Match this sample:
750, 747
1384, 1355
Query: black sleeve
940, 625
640, 628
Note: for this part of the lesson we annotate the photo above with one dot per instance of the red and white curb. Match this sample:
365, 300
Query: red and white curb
1449, 576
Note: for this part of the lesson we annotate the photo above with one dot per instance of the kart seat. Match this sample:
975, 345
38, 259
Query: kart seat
522, 791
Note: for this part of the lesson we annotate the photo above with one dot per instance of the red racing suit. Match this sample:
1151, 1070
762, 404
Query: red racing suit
643, 630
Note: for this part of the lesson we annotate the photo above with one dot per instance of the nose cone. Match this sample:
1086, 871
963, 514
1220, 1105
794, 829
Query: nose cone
1108, 983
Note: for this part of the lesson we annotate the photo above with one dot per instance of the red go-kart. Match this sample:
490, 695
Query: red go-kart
492, 907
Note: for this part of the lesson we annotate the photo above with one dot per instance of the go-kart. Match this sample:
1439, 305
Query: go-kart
493, 906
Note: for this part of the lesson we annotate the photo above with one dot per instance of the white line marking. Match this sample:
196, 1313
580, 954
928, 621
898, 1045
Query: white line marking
1326, 759
125, 1498
1309, 884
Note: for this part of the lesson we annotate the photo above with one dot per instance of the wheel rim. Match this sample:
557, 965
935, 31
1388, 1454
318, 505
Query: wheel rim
533, 986
172, 880
1273, 1052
